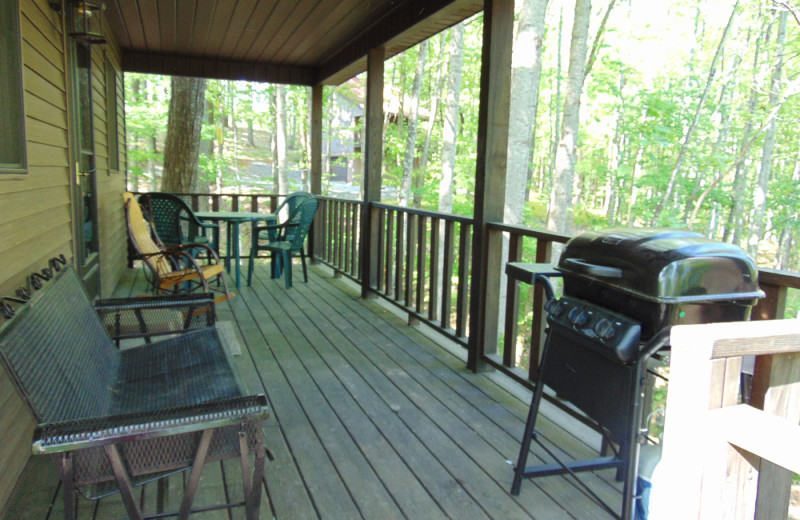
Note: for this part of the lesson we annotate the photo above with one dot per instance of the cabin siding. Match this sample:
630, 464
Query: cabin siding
36, 208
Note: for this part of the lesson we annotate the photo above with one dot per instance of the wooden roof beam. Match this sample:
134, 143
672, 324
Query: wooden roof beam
408, 23
217, 69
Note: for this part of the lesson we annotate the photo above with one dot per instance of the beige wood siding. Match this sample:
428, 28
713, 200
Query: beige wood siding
36, 208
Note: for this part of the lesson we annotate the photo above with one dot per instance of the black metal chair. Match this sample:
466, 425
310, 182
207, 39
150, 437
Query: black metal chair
285, 240
111, 418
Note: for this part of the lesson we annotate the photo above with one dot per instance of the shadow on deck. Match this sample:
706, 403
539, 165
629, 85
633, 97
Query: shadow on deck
370, 419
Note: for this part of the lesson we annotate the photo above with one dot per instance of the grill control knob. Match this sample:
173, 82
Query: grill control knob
578, 317
605, 329
554, 307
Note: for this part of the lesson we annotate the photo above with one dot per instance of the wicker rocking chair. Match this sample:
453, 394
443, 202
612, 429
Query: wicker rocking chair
172, 269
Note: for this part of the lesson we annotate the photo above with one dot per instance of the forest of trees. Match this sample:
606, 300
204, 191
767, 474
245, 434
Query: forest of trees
680, 114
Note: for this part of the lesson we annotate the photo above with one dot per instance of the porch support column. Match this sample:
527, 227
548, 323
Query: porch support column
490, 178
315, 174
373, 152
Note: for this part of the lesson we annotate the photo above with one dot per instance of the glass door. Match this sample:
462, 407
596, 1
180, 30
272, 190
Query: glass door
84, 185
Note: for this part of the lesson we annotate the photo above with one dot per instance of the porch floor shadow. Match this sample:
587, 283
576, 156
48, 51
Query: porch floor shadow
369, 419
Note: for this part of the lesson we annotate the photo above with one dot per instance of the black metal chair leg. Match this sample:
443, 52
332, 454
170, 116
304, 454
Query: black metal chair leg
194, 479
67, 485
124, 482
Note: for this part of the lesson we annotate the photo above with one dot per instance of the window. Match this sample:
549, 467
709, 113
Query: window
12, 115
112, 121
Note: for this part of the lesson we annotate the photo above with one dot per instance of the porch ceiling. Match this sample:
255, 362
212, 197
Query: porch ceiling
302, 42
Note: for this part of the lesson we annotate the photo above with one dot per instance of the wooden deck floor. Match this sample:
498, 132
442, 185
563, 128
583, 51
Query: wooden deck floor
370, 419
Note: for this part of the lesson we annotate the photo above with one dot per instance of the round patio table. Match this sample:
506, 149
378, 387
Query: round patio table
232, 220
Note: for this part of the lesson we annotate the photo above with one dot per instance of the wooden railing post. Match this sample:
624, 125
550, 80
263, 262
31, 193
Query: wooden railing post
490, 178
713, 477
512, 305
372, 175
544, 253
315, 173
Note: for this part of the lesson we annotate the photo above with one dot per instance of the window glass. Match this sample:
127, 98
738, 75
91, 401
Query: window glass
12, 117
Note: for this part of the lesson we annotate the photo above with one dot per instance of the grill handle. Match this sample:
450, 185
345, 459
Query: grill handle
600, 271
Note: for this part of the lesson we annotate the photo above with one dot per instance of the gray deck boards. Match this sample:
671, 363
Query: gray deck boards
369, 419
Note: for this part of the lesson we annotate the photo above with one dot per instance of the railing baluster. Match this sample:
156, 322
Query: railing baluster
512, 305
422, 224
381, 249
411, 247
389, 240
339, 232
544, 252
462, 301
433, 291
355, 211
402, 219
447, 272
347, 237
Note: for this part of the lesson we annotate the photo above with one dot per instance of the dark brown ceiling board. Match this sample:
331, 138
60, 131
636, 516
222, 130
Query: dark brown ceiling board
187, 14
351, 29
167, 23
327, 29
291, 41
204, 18
314, 27
133, 24
409, 22
296, 22
148, 11
216, 69
239, 17
276, 20
253, 30
219, 27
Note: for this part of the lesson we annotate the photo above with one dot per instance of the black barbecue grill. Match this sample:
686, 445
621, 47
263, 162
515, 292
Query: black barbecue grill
623, 290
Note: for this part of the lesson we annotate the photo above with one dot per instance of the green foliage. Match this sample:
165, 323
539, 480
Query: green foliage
638, 103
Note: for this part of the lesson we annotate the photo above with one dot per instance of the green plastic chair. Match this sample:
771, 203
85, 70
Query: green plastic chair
173, 220
287, 240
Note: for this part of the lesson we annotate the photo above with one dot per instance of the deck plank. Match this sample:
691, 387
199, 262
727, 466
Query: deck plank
501, 433
369, 419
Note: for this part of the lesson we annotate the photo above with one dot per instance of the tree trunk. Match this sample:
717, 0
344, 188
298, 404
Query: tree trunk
556, 126
559, 214
182, 148
760, 195
526, 68
735, 225
411, 134
280, 126
455, 50
673, 176
439, 82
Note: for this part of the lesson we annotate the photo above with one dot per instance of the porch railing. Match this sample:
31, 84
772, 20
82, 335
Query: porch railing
423, 259
423, 267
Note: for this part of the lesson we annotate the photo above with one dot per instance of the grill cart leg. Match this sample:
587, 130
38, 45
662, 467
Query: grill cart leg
530, 424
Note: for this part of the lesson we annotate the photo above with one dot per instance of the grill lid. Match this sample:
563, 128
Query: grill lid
663, 265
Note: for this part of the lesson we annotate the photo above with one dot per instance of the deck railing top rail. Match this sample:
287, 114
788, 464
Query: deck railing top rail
425, 213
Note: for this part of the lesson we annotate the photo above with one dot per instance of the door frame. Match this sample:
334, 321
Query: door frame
83, 170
